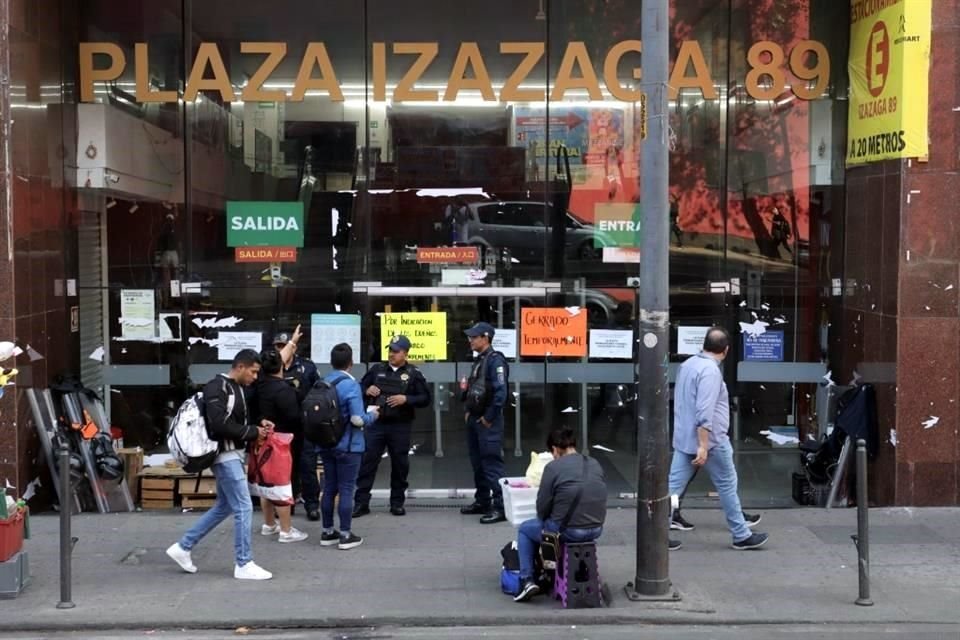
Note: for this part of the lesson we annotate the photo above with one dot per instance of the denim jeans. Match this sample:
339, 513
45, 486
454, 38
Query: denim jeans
486, 456
309, 485
530, 533
724, 477
339, 478
233, 497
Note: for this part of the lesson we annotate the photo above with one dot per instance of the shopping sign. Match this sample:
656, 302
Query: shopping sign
889, 80
264, 224
617, 225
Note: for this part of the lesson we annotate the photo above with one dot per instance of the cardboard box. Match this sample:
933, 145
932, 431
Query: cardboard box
200, 501
206, 486
132, 468
158, 484
154, 505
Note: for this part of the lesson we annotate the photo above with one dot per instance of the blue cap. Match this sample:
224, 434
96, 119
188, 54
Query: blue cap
400, 343
481, 329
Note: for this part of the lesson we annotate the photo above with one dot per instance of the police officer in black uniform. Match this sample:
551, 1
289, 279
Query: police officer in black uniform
302, 374
484, 396
398, 388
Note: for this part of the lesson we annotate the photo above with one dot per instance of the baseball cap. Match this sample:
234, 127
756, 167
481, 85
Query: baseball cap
400, 343
481, 329
281, 338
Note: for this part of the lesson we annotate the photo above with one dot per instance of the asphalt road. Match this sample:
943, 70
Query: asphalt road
593, 632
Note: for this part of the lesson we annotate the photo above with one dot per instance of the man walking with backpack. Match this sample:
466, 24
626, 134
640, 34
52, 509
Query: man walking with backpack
484, 396
342, 446
228, 422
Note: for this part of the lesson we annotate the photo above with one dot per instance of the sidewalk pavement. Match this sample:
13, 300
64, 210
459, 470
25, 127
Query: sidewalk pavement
435, 567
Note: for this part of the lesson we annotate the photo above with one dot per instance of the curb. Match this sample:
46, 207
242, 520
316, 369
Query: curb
547, 620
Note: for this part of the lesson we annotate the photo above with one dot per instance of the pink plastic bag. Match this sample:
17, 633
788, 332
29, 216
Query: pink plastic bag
269, 469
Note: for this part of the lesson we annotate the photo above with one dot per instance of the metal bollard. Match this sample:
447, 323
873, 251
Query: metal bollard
862, 539
66, 542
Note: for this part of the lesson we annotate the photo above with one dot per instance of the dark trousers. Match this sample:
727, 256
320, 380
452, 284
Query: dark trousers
309, 485
486, 457
394, 438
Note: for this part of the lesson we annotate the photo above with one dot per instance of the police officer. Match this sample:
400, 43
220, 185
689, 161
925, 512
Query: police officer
398, 388
484, 395
302, 373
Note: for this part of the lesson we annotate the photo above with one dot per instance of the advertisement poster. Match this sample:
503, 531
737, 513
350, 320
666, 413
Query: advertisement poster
230, 343
137, 309
766, 347
690, 340
589, 134
606, 343
555, 332
427, 333
889, 69
327, 330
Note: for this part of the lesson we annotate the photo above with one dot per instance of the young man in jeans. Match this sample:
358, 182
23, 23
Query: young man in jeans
341, 464
228, 419
559, 509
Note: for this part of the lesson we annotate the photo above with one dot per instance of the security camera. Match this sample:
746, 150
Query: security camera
633, 282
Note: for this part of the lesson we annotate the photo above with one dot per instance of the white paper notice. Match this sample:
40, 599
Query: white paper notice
690, 340
137, 314
327, 330
505, 341
230, 343
606, 343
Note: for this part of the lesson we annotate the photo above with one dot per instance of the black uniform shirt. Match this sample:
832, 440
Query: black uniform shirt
407, 381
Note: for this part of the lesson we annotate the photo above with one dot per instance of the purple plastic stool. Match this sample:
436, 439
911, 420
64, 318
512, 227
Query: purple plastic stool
576, 583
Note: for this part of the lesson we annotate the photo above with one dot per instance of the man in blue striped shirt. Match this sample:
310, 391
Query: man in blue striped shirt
701, 423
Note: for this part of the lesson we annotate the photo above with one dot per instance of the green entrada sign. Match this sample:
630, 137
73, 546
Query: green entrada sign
618, 225
264, 224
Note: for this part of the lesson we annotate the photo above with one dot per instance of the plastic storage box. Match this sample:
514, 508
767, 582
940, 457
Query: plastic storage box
11, 535
519, 500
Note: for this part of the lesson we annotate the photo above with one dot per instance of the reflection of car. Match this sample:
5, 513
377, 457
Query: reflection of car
523, 228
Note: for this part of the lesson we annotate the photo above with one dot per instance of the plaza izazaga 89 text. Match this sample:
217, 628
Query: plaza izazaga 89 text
619, 70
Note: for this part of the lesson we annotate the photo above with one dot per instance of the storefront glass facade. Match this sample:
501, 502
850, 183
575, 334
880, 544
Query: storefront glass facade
512, 131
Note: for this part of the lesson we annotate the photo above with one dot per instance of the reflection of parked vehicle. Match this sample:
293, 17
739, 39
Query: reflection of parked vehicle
523, 228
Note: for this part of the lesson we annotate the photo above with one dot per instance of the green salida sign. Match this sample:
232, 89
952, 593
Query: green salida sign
264, 224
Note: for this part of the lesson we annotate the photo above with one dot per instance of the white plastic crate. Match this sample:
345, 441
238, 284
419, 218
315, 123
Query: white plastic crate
519, 503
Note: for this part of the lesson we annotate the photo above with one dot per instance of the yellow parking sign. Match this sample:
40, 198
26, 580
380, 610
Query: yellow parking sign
889, 79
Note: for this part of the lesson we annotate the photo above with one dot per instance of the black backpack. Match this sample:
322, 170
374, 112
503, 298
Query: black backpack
322, 422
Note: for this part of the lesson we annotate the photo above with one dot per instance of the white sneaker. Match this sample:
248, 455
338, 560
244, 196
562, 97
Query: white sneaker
294, 535
269, 531
182, 557
251, 571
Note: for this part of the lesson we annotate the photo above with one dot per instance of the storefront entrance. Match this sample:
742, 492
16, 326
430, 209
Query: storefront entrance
340, 164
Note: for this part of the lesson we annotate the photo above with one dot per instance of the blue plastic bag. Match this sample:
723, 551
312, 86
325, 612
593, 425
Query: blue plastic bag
509, 581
